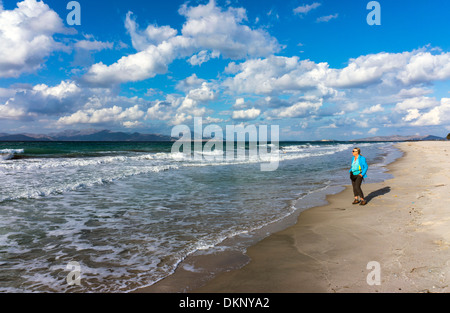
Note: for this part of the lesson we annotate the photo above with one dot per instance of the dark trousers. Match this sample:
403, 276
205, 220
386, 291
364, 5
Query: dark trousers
356, 183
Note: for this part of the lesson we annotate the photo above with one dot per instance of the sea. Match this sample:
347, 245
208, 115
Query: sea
117, 216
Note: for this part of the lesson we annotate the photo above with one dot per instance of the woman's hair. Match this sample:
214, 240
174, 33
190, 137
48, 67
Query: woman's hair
358, 149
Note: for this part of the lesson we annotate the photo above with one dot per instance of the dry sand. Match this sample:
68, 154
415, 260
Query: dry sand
405, 227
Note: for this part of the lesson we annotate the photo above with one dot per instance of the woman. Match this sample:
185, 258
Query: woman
357, 174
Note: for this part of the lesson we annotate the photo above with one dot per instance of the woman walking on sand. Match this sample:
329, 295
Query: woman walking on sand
357, 174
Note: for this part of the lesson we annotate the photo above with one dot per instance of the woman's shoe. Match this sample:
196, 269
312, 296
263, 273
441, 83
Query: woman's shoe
363, 202
355, 202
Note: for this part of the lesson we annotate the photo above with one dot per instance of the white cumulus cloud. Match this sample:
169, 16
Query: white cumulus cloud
249, 114
152, 35
416, 103
209, 31
438, 115
104, 115
373, 109
26, 37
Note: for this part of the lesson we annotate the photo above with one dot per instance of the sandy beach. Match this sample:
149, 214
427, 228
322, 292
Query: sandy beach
404, 228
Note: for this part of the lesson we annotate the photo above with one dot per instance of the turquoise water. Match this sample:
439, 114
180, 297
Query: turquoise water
129, 212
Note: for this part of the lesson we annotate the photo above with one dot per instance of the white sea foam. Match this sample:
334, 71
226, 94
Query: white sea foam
11, 151
7, 154
58, 184
81, 173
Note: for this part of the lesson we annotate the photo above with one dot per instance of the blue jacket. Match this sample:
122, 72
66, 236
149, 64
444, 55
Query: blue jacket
362, 164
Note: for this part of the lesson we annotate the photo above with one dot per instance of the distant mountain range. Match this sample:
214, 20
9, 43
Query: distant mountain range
108, 135
85, 135
400, 138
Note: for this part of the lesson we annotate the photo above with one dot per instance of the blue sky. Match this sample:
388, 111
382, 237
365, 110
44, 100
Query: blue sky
315, 68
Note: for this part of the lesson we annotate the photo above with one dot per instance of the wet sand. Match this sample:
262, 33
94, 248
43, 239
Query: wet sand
405, 227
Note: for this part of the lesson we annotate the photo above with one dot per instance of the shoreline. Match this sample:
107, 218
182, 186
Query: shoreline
405, 227
199, 268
